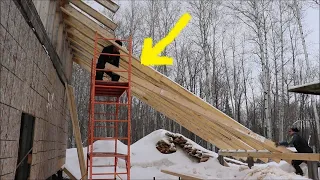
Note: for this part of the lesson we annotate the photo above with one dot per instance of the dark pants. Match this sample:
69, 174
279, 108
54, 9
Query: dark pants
114, 77
295, 164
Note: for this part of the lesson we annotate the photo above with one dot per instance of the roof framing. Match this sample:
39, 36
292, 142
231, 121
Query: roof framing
257, 154
163, 94
95, 14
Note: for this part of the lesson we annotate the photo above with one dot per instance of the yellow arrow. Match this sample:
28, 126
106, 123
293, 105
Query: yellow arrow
150, 56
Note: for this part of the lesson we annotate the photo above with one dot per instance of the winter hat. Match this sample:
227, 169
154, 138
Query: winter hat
294, 129
119, 42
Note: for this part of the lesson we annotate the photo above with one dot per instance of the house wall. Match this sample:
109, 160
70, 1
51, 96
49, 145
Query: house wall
29, 83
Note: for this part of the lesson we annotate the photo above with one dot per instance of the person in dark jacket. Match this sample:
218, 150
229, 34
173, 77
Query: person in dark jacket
114, 60
301, 146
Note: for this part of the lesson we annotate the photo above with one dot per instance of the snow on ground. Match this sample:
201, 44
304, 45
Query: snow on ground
147, 162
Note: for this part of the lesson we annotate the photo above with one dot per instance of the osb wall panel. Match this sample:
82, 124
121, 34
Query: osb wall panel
30, 84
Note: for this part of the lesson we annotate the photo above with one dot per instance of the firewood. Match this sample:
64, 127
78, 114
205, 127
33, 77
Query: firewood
204, 159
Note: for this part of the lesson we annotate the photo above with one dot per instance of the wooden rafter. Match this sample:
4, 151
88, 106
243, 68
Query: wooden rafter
83, 30
95, 14
81, 53
83, 65
72, 12
109, 5
80, 43
290, 156
86, 62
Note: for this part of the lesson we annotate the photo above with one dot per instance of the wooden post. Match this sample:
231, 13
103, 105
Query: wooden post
71, 176
250, 161
313, 170
221, 161
76, 130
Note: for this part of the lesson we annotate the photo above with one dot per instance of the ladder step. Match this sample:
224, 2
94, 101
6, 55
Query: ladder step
110, 54
103, 113
109, 70
109, 120
104, 126
110, 102
107, 154
110, 138
111, 87
108, 173
102, 165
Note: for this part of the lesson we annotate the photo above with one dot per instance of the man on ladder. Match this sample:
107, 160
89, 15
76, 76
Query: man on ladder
114, 60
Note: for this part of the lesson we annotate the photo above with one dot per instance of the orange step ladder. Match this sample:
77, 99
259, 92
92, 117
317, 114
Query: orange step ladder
109, 121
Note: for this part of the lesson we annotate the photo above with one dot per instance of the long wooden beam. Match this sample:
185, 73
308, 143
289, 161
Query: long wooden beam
80, 43
95, 14
70, 175
87, 63
70, 21
82, 53
291, 156
182, 175
76, 129
81, 64
76, 33
71, 11
109, 5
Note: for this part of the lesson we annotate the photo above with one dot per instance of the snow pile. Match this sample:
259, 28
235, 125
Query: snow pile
147, 162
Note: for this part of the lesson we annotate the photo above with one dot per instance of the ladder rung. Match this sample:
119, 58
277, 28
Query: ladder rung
112, 39
109, 54
103, 113
106, 154
108, 173
110, 70
109, 120
109, 102
109, 138
112, 87
104, 126
102, 165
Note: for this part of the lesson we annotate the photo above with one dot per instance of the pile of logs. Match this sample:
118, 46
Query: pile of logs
167, 146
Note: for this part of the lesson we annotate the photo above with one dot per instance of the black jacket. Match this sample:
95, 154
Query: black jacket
114, 60
299, 143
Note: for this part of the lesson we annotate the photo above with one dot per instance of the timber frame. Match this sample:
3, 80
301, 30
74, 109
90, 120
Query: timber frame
266, 154
159, 91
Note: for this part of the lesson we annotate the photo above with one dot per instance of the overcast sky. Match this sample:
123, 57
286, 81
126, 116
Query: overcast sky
312, 21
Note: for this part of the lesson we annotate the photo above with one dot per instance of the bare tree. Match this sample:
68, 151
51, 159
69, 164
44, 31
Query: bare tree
297, 13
